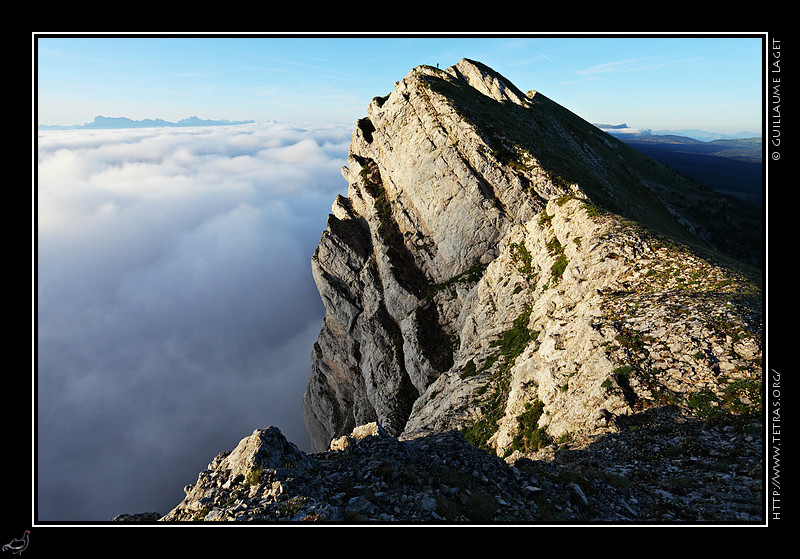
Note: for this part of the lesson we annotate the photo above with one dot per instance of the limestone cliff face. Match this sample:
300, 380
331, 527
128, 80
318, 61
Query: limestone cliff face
504, 275
502, 267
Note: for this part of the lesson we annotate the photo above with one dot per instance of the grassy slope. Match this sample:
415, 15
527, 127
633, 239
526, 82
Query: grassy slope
617, 177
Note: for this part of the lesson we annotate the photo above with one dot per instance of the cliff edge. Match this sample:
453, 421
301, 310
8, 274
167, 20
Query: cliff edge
496, 252
526, 320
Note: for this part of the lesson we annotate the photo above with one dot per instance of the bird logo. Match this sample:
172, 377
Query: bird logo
18, 545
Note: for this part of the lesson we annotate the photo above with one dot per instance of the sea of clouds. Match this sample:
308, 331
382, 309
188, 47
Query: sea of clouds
175, 307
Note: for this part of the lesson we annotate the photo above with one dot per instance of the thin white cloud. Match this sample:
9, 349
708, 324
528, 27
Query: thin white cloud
623, 66
539, 56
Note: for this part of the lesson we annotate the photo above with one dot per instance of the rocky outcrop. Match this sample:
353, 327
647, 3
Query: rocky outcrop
495, 252
603, 321
655, 473
526, 321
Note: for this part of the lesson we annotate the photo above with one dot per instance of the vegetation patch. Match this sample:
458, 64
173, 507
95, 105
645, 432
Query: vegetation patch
741, 398
558, 267
554, 245
473, 505
515, 158
510, 345
624, 371
592, 210
631, 340
530, 436
253, 476
703, 403
469, 369
514, 340
522, 256
293, 505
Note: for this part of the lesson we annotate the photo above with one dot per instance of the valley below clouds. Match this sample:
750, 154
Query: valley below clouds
175, 306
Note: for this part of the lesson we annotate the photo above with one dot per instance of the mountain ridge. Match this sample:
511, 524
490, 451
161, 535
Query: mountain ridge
733, 167
103, 122
623, 130
526, 320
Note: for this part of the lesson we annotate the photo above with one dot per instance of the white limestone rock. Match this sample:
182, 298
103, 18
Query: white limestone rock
454, 227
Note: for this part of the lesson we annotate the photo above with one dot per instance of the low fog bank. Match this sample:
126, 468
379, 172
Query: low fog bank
176, 311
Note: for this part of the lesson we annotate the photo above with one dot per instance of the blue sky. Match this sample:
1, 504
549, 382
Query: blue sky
659, 82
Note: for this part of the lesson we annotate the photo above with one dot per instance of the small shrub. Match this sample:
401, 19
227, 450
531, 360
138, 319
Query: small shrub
520, 254
557, 269
704, 404
555, 249
480, 506
564, 438
201, 514
293, 505
514, 341
631, 340
737, 391
254, 476
531, 437
478, 433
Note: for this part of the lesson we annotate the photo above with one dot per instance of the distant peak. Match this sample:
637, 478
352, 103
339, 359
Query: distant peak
612, 126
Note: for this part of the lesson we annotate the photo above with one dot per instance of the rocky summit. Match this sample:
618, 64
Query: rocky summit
526, 321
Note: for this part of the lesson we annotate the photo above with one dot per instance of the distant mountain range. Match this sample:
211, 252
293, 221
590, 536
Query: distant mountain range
623, 130
104, 122
731, 165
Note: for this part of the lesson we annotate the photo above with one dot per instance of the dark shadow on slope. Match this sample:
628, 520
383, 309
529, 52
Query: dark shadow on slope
661, 467
616, 177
